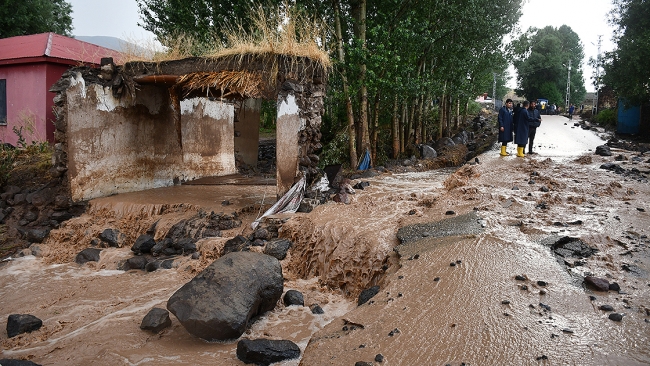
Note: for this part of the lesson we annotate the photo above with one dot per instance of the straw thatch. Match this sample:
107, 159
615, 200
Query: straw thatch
248, 84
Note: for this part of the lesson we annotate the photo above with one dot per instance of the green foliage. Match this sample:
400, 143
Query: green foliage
205, 21
335, 151
473, 108
24, 17
626, 68
541, 57
607, 118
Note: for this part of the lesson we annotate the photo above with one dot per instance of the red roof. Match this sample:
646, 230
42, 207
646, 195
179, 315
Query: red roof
52, 47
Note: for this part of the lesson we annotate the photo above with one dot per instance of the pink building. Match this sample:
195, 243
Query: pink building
29, 66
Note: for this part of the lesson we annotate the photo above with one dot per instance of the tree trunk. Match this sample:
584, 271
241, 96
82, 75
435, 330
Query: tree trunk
395, 123
359, 13
352, 143
375, 128
465, 112
403, 126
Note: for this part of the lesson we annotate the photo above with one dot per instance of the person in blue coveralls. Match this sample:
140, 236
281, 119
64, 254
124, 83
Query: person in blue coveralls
522, 120
505, 126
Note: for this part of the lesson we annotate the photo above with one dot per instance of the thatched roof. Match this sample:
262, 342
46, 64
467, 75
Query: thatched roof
228, 76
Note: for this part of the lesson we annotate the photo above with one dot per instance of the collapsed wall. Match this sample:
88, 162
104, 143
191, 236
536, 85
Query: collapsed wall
146, 125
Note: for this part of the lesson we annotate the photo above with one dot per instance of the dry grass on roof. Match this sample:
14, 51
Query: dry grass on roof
246, 83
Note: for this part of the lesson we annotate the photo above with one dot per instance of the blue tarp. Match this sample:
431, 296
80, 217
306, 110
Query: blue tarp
365, 163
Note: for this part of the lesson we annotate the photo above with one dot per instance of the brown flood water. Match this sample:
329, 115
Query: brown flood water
92, 313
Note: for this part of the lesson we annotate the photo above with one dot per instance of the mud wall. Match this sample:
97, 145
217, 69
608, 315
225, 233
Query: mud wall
300, 110
113, 145
247, 130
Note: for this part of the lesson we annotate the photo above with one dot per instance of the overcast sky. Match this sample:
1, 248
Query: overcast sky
119, 18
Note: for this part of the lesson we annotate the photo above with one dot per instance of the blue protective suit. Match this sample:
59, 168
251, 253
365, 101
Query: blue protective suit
506, 121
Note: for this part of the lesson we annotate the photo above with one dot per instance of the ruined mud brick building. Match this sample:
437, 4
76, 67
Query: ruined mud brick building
145, 125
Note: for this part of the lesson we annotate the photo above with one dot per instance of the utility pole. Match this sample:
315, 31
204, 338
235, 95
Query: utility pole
494, 90
568, 87
598, 73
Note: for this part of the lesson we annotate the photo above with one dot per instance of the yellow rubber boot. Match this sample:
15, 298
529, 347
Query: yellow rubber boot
520, 152
503, 151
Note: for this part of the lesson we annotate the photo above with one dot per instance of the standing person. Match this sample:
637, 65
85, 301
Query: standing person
505, 126
532, 126
571, 109
522, 119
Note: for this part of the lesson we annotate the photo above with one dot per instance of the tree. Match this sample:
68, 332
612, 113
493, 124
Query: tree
205, 22
541, 57
23, 17
626, 68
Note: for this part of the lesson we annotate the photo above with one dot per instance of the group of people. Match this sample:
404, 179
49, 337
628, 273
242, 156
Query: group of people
522, 121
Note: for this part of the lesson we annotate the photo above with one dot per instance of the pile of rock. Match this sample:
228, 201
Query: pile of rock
30, 213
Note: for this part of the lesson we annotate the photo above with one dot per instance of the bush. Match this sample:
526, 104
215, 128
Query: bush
474, 108
607, 118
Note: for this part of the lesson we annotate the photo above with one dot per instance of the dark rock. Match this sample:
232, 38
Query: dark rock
450, 212
603, 150
362, 363
361, 185
22, 323
61, 202
152, 266
293, 297
112, 237
236, 244
30, 216
367, 294
19, 199
443, 142
596, 283
156, 320
10, 362
545, 307
616, 317
219, 302
544, 189
185, 246
570, 247
261, 233
316, 309
278, 248
520, 278
88, 255
266, 351
36, 235
342, 197
614, 286
307, 205
61, 216
143, 244
542, 283
427, 152
259, 243
606, 307
379, 358
613, 167
138, 262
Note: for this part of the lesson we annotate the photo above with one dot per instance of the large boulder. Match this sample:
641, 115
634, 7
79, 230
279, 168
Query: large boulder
278, 248
88, 255
428, 152
156, 320
443, 142
266, 351
22, 323
219, 302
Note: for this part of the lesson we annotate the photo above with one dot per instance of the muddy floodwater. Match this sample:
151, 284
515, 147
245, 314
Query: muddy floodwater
448, 296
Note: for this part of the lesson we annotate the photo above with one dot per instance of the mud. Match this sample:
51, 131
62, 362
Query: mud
442, 299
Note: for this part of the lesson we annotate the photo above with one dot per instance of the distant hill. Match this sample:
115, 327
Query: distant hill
115, 43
